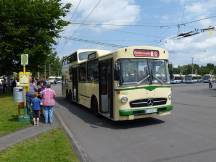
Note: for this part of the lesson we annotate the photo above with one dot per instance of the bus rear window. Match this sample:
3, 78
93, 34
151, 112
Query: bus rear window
84, 55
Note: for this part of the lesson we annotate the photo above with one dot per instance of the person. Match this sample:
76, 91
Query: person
48, 101
30, 95
13, 84
210, 83
36, 109
40, 86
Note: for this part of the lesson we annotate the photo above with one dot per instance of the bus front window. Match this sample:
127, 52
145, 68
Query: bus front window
143, 71
133, 71
159, 71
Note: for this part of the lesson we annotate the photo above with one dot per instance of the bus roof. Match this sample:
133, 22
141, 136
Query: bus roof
208, 75
98, 54
81, 55
180, 75
193, 75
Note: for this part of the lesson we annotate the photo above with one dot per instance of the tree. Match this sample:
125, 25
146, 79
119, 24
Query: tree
197, 69
29, 27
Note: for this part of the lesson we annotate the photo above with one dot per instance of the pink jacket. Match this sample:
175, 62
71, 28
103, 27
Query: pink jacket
48, 97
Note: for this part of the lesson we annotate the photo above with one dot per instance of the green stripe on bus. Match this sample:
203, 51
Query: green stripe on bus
127, 112
149, 88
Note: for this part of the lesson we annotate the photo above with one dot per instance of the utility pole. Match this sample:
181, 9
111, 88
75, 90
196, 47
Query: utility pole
192, 65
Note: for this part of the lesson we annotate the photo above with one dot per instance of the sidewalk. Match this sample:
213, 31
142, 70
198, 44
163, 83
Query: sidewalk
18, 136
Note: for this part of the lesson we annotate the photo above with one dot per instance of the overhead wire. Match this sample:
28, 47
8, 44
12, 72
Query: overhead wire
76, 8
122, 25
143, 25
83, 21
94, 42
197, 20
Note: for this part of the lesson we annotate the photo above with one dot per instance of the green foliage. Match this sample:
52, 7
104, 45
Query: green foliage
29, 27
52, 146
197, 69
8, 116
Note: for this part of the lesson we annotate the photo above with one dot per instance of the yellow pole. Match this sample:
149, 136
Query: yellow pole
24, 69
24, 90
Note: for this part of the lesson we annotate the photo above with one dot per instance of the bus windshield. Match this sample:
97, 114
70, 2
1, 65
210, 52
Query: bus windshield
188, 78
177, 78
143, 71
206, 77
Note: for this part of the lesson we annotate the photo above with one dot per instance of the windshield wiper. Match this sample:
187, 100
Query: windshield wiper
143, 79
159, 80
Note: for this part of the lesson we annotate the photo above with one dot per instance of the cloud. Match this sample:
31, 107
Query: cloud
201, 47
107, 12
195, 8
201, 7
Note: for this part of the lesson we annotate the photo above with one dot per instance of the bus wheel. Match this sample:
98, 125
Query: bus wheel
94, 106
70, 96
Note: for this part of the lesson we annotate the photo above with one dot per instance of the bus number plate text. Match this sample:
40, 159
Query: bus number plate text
150, 111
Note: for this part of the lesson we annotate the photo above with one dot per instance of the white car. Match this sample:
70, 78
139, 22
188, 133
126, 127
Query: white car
51, 79
1, 81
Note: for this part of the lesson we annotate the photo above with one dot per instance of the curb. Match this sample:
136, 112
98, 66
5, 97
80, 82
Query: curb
83, 156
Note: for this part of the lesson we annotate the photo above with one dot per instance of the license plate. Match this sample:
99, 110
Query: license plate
150, 111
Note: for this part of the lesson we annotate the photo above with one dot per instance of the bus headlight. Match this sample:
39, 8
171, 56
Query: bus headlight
124, 99
169, 97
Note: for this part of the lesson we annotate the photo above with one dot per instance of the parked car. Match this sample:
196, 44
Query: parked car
1, 80
51, 79
58, 80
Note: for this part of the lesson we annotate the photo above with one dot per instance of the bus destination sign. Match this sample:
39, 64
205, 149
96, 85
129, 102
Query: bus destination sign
146, 53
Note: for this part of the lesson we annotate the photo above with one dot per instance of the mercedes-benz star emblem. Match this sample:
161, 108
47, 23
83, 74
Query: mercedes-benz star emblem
150, 102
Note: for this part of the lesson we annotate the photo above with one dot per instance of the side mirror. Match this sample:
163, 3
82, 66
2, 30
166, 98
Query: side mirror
117, 71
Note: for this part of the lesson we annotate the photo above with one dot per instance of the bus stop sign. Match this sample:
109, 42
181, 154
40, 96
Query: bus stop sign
24, 59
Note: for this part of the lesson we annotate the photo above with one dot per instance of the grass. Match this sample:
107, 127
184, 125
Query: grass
8, 116
52, 146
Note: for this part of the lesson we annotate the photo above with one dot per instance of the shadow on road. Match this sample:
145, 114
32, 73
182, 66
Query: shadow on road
100, 121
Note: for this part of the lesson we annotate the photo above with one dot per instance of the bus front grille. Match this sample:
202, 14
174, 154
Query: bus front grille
148, 102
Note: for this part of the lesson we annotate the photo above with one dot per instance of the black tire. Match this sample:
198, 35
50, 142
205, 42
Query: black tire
70, 96
94, 106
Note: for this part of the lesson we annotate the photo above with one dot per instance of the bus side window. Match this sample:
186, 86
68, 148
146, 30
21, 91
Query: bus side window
92, 72
82, 72
70, 73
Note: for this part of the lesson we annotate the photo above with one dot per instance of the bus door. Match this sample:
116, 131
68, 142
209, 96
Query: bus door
74, 85
106, 88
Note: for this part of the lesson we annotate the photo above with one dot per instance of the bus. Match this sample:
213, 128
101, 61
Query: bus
129, 83
207, 77
68, 64
177, 78
192, 78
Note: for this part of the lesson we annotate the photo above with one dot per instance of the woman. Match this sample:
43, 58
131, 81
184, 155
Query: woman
48, 101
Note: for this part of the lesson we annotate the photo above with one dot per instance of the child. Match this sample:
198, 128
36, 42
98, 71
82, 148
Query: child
36, 109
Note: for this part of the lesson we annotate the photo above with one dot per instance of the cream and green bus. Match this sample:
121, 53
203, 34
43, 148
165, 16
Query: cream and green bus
126, 84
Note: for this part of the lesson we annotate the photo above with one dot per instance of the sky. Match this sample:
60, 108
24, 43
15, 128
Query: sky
111, 24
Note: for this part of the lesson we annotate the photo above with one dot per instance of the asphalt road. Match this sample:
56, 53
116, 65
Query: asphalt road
188, 135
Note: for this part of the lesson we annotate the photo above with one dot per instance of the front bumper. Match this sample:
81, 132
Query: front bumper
142, 111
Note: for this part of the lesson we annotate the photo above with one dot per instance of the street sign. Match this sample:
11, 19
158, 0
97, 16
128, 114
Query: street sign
24, 79
24, 59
